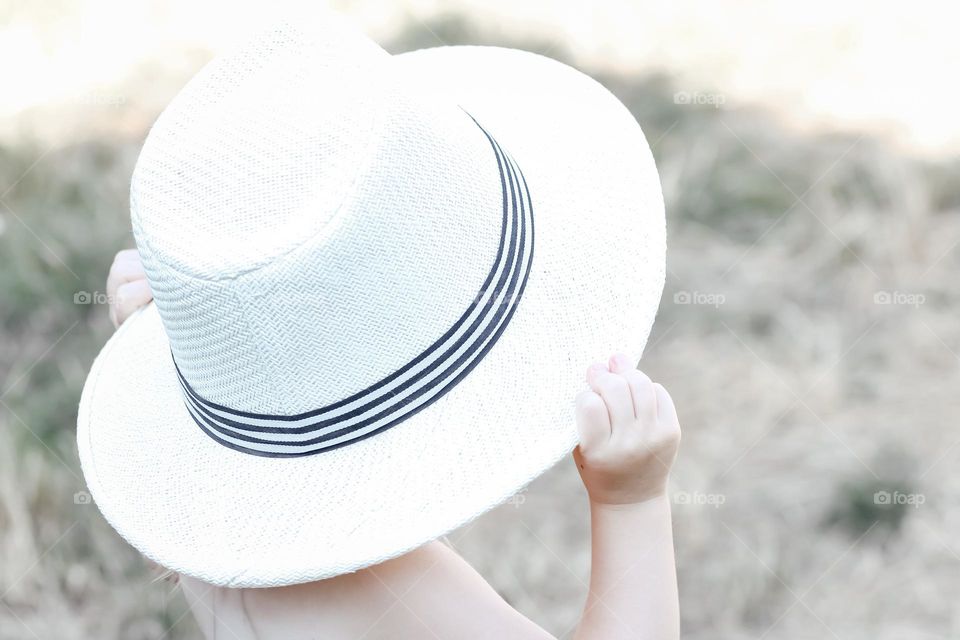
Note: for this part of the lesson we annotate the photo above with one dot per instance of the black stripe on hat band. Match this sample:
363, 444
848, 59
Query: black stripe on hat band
418, 383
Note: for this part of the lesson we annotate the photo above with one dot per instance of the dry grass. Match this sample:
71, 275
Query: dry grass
800, 395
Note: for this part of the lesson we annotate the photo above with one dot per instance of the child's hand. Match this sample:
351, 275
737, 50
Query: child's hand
629, 434
127, 288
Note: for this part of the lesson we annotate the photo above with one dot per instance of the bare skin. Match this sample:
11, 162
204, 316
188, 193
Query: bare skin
629, 436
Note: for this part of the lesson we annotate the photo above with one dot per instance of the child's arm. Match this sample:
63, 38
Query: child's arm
629, 434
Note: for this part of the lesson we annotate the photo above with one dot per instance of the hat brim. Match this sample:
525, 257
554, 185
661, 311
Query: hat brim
237, 520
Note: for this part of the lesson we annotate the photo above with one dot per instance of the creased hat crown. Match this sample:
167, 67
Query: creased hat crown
307, 223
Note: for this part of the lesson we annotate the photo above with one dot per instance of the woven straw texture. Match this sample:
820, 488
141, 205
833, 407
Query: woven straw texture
302, 246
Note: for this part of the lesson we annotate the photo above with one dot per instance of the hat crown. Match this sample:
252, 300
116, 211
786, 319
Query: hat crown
308, 224
260, 148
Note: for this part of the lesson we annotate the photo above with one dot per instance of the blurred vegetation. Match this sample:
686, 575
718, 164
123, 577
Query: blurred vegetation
789, 389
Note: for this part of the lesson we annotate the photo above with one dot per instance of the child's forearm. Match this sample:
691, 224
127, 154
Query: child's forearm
633, 582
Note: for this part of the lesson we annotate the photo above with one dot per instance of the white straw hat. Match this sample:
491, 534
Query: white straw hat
378, 281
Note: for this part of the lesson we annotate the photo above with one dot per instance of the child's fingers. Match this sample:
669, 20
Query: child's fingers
641, 388
666, 410
127, 254
615, 391
619, 363
593, 423
125, 268
130, 296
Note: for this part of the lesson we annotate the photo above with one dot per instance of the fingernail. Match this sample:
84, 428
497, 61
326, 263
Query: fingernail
620, 361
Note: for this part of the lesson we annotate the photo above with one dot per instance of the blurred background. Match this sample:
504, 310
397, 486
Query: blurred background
808, 332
